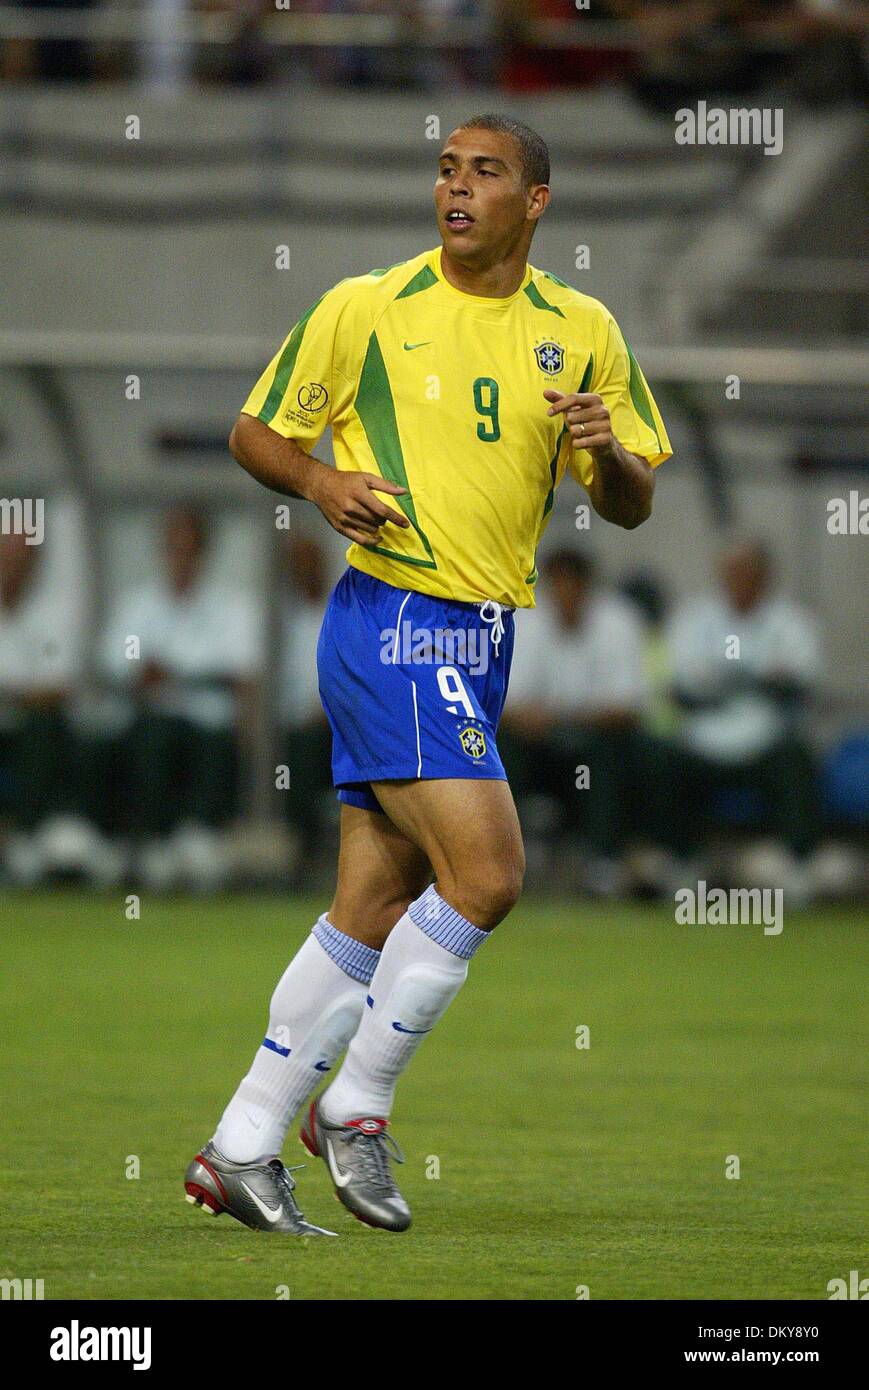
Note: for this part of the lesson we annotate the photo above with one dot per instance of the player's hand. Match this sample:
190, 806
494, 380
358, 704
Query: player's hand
586, 416
350, 504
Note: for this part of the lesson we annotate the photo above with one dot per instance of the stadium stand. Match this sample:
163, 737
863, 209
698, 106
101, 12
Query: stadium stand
152, 261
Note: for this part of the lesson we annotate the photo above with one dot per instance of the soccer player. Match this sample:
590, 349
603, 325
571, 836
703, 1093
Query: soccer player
460, 386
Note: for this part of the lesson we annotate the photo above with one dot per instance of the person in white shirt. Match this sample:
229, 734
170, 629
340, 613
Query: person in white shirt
305, 733
187, 651
574, 706
41, 620
746, 660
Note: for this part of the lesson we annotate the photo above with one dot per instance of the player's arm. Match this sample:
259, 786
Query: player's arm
622, 484
348, 501
273, 460
309, 384
616, 437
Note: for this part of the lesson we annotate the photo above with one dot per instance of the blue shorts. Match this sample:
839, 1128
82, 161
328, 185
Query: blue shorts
413, 686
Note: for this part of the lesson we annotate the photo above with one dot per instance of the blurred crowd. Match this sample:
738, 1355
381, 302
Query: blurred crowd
639, 731
638, 735
668, 51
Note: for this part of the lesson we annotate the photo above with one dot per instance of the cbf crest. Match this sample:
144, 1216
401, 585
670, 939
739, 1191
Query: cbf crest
550, 357
473, 740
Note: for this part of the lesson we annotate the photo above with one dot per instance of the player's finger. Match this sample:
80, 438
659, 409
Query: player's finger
378, 484
367, 538
380, 509
590, 406
589, 440
587, 415
590, 427
373, 513
560, 405
551, 394
361, 520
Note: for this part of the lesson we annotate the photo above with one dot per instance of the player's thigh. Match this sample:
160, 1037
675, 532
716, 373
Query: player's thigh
380, 871
469, 830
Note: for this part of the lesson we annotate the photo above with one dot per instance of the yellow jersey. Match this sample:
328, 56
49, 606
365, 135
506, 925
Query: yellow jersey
442, 392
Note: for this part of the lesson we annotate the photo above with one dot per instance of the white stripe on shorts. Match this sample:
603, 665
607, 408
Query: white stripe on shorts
416, 721
398, 626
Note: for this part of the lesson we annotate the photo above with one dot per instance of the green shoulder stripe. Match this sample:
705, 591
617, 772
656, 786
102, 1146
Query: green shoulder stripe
422, 280
376, 409
538, 301
284, 369
640, 396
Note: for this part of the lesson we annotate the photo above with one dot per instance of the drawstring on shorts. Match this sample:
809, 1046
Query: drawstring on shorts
496, 618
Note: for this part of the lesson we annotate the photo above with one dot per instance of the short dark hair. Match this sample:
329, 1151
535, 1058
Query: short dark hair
535, 151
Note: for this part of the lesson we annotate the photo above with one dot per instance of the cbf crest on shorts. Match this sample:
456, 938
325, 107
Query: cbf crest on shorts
473, 740
550, 357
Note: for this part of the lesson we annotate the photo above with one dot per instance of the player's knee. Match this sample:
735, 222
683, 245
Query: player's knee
378, 910
392, 907
487, 892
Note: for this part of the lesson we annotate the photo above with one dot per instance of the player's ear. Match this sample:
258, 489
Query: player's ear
538, 200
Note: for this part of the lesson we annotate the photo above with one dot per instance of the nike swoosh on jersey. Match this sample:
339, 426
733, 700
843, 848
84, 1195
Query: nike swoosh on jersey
266, 1211
400, 1028
340, 1179
409, 347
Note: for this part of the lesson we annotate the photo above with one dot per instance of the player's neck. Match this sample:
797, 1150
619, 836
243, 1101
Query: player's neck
497, 281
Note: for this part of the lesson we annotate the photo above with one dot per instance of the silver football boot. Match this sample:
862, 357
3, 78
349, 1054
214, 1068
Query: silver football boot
357, 1155
260, 1195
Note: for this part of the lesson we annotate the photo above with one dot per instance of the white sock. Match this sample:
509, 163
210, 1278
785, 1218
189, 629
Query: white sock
315, 1011
421, 969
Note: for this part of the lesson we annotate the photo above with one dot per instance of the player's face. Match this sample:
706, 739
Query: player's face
480, 196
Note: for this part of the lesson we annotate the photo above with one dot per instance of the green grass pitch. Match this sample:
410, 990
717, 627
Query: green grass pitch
559, 1167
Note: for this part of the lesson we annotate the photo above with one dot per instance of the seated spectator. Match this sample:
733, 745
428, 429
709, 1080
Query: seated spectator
41, 623
661, 714
526, 66
378, 65
575, 701
305, 733
48, 59
746, 660
186, 650
689, 48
